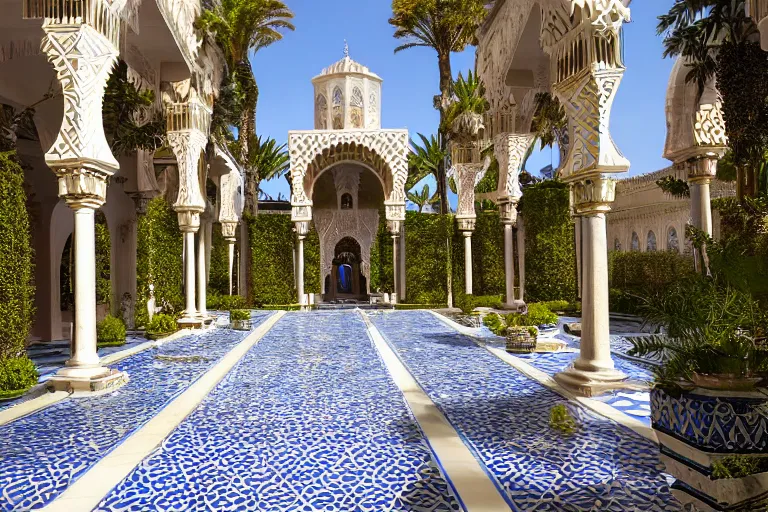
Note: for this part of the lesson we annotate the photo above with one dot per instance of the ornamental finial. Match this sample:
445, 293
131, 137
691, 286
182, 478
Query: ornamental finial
346, 49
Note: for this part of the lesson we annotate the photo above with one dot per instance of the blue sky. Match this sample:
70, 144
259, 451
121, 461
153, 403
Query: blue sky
284, 71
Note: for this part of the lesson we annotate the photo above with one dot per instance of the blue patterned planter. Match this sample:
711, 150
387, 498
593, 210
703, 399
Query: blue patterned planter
699, 427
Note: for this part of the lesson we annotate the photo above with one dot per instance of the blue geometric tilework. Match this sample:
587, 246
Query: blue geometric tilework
504, 417
43, 453
308, 421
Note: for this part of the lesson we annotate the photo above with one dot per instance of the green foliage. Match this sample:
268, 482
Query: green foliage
17, 373
16, 290
711, 327
550, 254
738, 466
423, 198
560, 419
312, 262
447, 25
103, 249
550, 122
636, 274
271, 241
674, 186
424, 160
468, 303
110, 331
496, 324
538, 314
488, 278
382, 276
490, 181
159, 260
464, 115
281, 307
162, 324
122, 99
239, 314
218, 277
558, 305
411, 307
426, 257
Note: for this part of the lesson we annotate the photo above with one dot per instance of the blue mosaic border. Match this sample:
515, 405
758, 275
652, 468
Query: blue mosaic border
45, 452
601, 467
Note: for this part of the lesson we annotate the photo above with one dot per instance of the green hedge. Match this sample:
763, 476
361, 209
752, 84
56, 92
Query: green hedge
159, 259
637, 274
381, 259
218, 276
426, 257
103, 248
488, 280
550, 254
312, 261
271, 241
16, 290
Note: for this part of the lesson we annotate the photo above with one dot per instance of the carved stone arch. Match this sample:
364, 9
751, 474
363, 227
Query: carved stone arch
348, 152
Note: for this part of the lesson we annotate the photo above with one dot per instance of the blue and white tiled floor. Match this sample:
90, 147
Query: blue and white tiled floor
310, 419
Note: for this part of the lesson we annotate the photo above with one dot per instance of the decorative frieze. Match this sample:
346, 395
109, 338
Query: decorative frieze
510, 150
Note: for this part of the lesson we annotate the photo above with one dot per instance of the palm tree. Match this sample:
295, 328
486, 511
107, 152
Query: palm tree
265, 161
424, 160
550, 124
243, 27
445, 26
423, 198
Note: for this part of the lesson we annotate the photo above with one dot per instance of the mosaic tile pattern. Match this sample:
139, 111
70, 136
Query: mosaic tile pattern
308, 421
504, 418
43, 453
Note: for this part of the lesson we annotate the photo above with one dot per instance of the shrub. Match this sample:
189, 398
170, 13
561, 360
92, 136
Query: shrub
159, 260
488, 278
550, 253
239, 314
468, 303
496, 324
16, 374
408, 307
230, 302
560, 419
218, 277
557, 305
381, 258
271, 240
110, 331
539, 314
16, 290
738, 466
162, 324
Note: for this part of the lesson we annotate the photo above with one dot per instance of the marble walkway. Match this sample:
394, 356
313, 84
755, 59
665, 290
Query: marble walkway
329, 411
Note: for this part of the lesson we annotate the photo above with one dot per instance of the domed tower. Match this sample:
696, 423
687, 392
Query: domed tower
347, 97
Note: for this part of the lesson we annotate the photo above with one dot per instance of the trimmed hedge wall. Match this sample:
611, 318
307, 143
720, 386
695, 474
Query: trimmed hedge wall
159, 260
426, 257
218, 276
488, 281
381, 259
16, 290
103, 248
550, 253
272, 240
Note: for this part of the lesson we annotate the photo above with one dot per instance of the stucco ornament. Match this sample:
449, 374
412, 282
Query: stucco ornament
466, 177
385, 151
510, 149
333, 225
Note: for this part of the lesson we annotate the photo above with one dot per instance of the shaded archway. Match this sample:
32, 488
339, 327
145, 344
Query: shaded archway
346, 280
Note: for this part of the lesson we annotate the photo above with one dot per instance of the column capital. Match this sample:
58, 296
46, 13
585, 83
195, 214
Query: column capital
141, 200
593, 195
508, 211
394, 226
301, 229
229, 230
82, 188
189, 220
701, 169
188, 146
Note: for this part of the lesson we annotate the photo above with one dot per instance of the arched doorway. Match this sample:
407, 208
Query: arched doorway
346, 280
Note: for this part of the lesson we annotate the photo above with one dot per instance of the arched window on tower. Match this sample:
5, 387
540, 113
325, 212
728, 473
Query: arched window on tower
346, 202
356, 108
673, 244
338, 109
635, 242
321, 112
650, 242
373, 106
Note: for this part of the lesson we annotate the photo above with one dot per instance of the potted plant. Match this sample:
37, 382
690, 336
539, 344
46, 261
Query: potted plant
522, 329
706, 403
240, 319
160, 326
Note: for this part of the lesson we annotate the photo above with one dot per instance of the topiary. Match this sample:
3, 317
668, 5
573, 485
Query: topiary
110, 332
162, 324
17, 374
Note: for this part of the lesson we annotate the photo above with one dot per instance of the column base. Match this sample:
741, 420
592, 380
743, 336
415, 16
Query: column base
88, 380
190, 322
517, 305
593, 383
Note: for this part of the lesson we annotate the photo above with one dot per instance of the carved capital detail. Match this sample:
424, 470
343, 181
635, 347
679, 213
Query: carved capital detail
394, 227
588, 98
301, 228
508, 212
189, 221
466, 224
510, 149
702, 169
83, 59
82, 187
466, 177
187, 146
593, 195
229, 231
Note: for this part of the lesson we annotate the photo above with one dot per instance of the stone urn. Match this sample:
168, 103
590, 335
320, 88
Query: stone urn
699, 427
241, 325
521, 340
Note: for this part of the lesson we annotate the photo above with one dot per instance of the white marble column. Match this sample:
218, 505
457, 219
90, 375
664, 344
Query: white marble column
701, 172
80, 157
202, 309
302, 230
190, 312
509, 265
395, 267
228, 230
579, 259
403, 291
467, 262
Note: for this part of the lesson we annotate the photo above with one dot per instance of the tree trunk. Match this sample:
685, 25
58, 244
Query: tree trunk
446, 84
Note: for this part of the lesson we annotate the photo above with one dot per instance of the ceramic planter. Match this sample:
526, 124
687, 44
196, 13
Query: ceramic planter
241, 325
520, 341
701, 426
